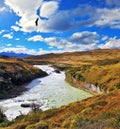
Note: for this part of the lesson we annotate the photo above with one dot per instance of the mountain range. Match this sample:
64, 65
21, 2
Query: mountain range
12, 54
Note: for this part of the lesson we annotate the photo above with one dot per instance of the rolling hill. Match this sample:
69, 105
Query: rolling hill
102, 111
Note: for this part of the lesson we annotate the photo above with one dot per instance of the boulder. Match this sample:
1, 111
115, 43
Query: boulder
25, 105
57, 70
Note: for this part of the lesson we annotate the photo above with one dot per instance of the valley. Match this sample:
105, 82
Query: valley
83, 70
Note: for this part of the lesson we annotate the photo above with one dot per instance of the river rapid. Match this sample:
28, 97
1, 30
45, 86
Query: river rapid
50, 92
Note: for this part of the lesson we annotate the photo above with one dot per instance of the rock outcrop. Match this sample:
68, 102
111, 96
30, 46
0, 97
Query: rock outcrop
80, 82
14, 73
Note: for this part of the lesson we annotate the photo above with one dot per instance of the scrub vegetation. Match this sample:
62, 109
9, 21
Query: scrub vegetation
102, 111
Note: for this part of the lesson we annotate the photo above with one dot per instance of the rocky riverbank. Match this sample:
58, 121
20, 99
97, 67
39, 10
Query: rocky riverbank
96, 79
83, 85
14, 74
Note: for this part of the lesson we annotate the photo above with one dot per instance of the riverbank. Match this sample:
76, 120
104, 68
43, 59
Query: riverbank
98, 69
50, 92
14, 73
75, 81
16, 91
96, 79
96, 112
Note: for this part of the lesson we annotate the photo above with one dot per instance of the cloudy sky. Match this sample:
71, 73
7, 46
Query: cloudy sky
63, 25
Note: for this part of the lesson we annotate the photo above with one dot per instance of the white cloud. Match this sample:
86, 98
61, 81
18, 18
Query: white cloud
2, 31
51, 41
22, 49
9, 36
24, 7
42, 51
108, 17
111, 43
104, 38
19, 49
78, 41
17, 39
27, 11
100, 17
9, 45
16, 28
48, 8
36, 38
61, 20
84, 37
3, 9
88, 16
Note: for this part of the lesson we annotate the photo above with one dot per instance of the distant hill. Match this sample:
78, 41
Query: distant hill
12, 54
78, 58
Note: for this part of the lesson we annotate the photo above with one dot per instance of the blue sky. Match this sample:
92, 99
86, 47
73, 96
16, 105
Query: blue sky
63, 25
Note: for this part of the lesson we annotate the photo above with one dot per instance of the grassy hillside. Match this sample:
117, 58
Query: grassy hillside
94, 57
14, 73
106, 77
98, 67
98, 112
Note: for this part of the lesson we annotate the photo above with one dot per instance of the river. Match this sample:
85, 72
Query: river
50, 92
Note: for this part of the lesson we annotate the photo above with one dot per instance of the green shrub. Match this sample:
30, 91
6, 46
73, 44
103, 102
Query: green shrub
107, 115
111, 89
75, 72
2, 116
35, 117
116, 122
6, 123
40, 125
85, 68
118, 85
107, 62
72, 71
79, 77
78, 121
49, 113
